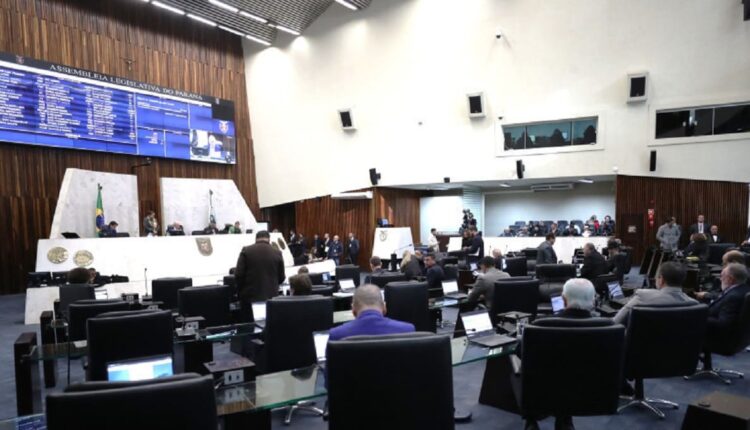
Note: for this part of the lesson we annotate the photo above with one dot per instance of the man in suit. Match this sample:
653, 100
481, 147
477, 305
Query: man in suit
618, 260
376, 268
728, 258
545, 252
335, 250
700, 226
714, 237
369, 309
668, 235
485, 285
476, 250
593, 263
724, 311
318, 246
669, 279
353, 248
259, 272
109, 230
497, 255
435, 274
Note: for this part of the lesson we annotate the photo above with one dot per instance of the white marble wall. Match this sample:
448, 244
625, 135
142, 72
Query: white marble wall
186, 201
76, 204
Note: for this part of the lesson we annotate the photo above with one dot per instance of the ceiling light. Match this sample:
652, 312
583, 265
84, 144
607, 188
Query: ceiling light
346, 4
254, 17
201, 19
168, 7
224, 6
586, 181
257, 40
504, 185
231, 30
285, 29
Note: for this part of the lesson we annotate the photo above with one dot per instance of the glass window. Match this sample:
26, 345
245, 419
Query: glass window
672, 124
703, 122
732, 119
548, 134
584, 131
515, 137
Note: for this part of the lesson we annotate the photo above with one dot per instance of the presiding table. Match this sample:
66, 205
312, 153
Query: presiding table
564, 246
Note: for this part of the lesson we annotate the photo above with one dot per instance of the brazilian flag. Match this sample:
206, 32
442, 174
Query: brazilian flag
99, 210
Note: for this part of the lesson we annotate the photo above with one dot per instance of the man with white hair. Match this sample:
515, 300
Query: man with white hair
724, 311
369, 308
578, 295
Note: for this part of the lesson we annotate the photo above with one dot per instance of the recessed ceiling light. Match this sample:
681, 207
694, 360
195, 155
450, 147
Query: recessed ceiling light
504, 185
224, 6
257, 40
168, 7
201, 19
346, 4
231, 30
586, 181
253, 17
285, 29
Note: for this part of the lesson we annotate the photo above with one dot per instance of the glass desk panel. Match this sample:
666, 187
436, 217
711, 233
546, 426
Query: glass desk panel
465, 352
29, 422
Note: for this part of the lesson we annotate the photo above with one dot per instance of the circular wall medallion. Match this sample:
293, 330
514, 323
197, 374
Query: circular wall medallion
57, 255
83, 258
282, 245
383, 235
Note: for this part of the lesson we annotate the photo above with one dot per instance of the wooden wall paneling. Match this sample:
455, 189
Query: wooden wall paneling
401, 207
723, 203
98, 35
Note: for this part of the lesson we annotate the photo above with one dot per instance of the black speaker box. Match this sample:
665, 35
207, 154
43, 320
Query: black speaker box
652, 162
374, 176
519, 169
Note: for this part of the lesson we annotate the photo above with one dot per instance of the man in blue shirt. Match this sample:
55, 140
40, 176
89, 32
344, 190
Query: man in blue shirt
335, 249
369, 308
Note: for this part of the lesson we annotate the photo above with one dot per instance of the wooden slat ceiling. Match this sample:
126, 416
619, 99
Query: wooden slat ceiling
293, 14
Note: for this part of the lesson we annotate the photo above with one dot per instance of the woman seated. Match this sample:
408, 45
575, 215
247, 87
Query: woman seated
410, 266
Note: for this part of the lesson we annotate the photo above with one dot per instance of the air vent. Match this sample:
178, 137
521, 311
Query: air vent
552, 187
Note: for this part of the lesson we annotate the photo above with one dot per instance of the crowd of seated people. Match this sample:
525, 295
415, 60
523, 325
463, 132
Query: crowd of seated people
591, 227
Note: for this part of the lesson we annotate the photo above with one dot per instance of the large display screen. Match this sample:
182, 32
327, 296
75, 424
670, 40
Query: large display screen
52, 105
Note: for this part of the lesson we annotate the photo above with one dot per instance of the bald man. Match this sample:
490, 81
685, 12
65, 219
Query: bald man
369, 309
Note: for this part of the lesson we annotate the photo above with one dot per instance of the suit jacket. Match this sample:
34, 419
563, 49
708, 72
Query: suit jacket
370, 322
593, 266
477, 245
319, 246
617, 264
435, 276
380, 271
335, 249
546, 254
649, 297
354, 248
694, 228
485, 286
711, 240
260, 270
724, 312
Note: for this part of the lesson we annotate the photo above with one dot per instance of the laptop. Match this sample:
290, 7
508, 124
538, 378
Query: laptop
450, 289
320, 338
473, 267
347, 285
479, 330
616, 296
259, 311
326, 276
140, 369
558, 304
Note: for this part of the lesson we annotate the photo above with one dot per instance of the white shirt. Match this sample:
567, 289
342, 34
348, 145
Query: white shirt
700, 227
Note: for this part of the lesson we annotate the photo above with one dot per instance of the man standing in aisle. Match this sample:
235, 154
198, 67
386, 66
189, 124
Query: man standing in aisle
259, 272
545, 252
668, 235
353, 249
335, 249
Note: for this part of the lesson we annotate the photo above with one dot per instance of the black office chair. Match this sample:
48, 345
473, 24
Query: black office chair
382, 280
571, 367
231, 281
513, 295
409, 302
165, 290
80, 312
290, 322
119, 278
601, 282
59, 278
36, 279
728, 343
323, 290
197, 233
316, 278
516, 266
348, 271
185, 402
552, 277
530, 253
211, 303
662, 342
72, 293
448, 260
451, 272
396, 381
117, 336
716, 251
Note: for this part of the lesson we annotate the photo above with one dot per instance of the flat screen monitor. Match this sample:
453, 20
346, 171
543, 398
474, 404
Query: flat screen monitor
259, 311
615, 291
476, 322
558, 304
450, 287
326, 276
140, 369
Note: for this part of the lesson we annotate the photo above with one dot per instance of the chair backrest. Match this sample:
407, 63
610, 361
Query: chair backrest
510, 295
382, 280
347, 271
197, 233
738, 337
323, 290
448, 260
118, 336
572, 367
388, 382
664, 341
530, 253
72, 293
165, 290
231, 281
409, 302
80, 311
516, 266
211, 303
561, 224
290, 322
601, 281
520, 223
316, 278
716, 251
555, 272
175, 402
451, 272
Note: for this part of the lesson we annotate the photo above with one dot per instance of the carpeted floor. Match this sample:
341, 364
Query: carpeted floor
467, 381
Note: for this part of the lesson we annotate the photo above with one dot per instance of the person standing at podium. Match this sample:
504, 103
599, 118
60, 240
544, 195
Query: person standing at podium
259, 272
353, 249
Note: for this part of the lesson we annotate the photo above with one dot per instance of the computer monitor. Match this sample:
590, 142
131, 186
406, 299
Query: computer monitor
259, 311
140, 369
347, 285
473, 267
558, 304
476, 322
615, 291
326, 276
383, 222
450, 287
320, 338
39, 278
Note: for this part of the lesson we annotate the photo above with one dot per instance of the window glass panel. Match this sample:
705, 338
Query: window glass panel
672, 124
515, 137
703, 122
549, 134
732, 119
584, 131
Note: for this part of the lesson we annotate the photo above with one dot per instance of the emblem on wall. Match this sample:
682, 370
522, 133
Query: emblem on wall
204, 246
383, 235
57, 255
282, 245
83, 258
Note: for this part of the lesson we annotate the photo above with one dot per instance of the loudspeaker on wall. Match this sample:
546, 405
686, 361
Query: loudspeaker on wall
519, 169
652, 162
347, 121
374, 176
476, 105
638, 87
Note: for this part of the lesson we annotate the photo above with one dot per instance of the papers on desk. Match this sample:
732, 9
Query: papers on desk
342, 294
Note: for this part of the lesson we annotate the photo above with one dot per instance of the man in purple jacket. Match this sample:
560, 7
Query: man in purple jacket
369, 308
